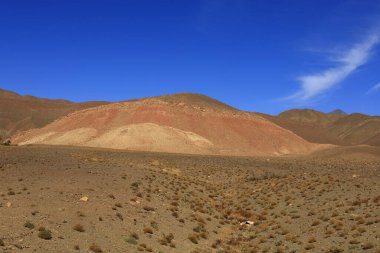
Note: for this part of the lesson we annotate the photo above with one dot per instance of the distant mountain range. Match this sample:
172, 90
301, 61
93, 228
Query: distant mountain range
183, 122
333, 128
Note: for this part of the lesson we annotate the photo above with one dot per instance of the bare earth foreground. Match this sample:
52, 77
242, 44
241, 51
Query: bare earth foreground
65, 199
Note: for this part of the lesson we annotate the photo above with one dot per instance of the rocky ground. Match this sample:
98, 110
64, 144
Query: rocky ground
64, 199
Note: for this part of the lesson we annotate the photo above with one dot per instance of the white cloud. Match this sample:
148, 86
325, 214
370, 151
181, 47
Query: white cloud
375, 88
348, 61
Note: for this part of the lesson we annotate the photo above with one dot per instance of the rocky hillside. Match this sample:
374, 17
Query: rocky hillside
180, 123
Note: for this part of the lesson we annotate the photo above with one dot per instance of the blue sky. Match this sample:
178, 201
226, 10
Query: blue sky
266, 56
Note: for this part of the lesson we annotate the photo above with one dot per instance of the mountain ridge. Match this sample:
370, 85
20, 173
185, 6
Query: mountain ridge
310, 125
339, 129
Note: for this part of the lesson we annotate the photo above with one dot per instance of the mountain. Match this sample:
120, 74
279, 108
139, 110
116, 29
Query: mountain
179, 123
182, 122
339, 112
332, 128
18, 113
308, 124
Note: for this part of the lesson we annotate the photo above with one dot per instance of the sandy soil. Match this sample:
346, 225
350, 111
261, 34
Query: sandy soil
65, 199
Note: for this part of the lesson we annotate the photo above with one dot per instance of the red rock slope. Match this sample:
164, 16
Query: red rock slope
184, 123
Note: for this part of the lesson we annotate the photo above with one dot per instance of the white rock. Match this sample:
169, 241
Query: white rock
247, 223
84, 199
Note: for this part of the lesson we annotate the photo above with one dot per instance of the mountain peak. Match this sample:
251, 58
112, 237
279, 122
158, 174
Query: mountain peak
339, 112
195, 99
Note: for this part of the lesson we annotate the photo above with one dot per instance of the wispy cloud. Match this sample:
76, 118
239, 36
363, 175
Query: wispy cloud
315, 85
375, 88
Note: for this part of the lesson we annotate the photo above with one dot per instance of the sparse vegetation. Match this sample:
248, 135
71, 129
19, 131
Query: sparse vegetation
193, 238
148, 208
95, 248
213, 204
29, 225
131, 240
79, 228
148, 231
45, 234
